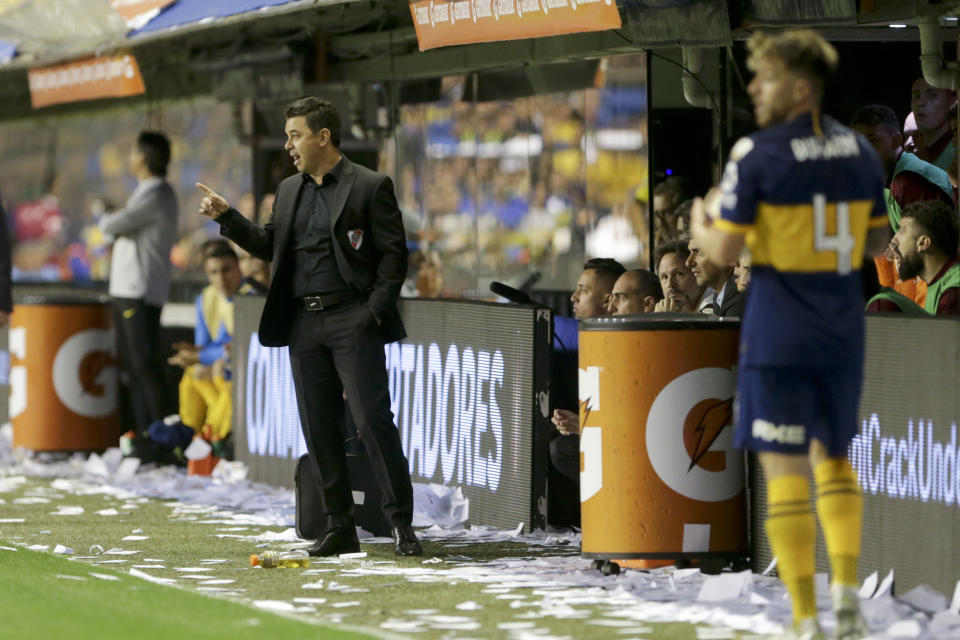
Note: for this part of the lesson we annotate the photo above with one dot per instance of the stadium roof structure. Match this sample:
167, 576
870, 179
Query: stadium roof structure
195, 47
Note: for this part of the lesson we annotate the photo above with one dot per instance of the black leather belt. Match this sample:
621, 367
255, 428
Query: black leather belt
327, 302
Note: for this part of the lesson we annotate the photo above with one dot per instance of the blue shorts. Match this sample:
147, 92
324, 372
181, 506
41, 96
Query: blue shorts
783, 409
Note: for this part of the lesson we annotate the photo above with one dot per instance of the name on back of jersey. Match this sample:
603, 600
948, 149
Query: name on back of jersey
825, 147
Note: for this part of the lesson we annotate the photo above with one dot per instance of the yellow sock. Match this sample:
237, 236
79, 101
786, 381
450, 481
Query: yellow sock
840, 507
792, 532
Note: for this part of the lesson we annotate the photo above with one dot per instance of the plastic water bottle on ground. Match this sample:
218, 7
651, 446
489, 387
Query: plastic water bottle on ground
297, 559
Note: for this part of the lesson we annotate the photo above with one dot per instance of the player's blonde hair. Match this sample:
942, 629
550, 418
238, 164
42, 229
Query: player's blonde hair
802, 51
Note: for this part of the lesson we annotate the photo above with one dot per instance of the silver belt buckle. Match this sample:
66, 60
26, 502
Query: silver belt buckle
313, 303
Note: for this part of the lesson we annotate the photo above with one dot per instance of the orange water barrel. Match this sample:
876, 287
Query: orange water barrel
660, 477
63, 375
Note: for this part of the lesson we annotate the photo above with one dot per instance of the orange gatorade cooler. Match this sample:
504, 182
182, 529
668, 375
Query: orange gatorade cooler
63, 374
659, 476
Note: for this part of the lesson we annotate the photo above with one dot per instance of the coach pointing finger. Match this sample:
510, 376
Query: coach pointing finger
339, 258
213, 204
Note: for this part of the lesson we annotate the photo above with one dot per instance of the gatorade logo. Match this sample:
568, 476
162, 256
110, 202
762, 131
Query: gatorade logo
591, 439
690, 436
85, 374
588, 385
591, 451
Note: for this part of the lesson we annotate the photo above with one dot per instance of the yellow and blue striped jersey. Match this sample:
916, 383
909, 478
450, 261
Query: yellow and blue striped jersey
805, 194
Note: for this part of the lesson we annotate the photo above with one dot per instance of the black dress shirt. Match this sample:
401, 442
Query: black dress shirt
315, 265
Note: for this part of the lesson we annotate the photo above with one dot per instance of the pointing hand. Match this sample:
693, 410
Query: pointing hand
213, 204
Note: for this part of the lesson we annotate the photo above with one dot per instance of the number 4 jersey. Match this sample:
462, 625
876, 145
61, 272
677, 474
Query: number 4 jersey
804, 193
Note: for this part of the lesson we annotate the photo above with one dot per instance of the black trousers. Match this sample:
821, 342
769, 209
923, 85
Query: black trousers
336, 351
563, 507
137, 326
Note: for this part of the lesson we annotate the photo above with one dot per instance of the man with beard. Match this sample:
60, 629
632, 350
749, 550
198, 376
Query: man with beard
909, 179
681, 292
805, 194
926, 246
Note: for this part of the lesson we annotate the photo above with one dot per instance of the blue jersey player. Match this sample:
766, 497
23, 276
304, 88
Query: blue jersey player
805, 195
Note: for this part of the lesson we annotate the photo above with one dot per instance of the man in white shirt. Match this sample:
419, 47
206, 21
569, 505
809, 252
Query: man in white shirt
144, 232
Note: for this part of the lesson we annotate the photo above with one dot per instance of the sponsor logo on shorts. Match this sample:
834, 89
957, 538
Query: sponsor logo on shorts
782, 433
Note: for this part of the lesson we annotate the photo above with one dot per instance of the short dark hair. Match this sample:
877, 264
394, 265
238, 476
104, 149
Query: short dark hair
217, 249
155, 148
647, 284
608, 270
676, 186
939, 220
877, 115
674, 246
320, 114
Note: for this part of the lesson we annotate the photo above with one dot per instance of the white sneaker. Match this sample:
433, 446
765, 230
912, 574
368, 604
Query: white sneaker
846, 605
805, 629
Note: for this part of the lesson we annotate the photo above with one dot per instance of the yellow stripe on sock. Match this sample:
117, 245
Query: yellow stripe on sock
791, 530
840, 508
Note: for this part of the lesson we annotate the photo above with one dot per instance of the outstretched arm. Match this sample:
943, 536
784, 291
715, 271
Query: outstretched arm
233, 225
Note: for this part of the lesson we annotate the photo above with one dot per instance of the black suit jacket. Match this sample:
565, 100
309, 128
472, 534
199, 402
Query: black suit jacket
373, 263
733, 301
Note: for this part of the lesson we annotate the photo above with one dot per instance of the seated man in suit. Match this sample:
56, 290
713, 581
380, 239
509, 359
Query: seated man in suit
728, 301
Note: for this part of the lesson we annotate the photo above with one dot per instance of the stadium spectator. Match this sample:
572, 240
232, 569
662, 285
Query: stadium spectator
636, 291
741, 271
931, 109
909, 179
144, 232
799, 381
592, 295
683, 219
667, 196
727, 299
910, 133
256, 272
926, 246
680, 289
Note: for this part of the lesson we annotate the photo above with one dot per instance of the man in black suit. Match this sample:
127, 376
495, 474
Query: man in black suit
727, 301
339, 258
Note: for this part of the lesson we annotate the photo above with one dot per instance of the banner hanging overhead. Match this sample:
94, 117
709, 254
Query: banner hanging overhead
137, 13
440, 23
111, 76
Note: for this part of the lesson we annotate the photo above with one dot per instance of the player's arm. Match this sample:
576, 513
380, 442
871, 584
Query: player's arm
720, 221
721, 245
877, 240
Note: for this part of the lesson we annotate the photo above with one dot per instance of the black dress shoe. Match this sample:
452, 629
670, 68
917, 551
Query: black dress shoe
405, 541
336, 540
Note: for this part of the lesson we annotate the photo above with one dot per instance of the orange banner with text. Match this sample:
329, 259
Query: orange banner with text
440, 23
111, 76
